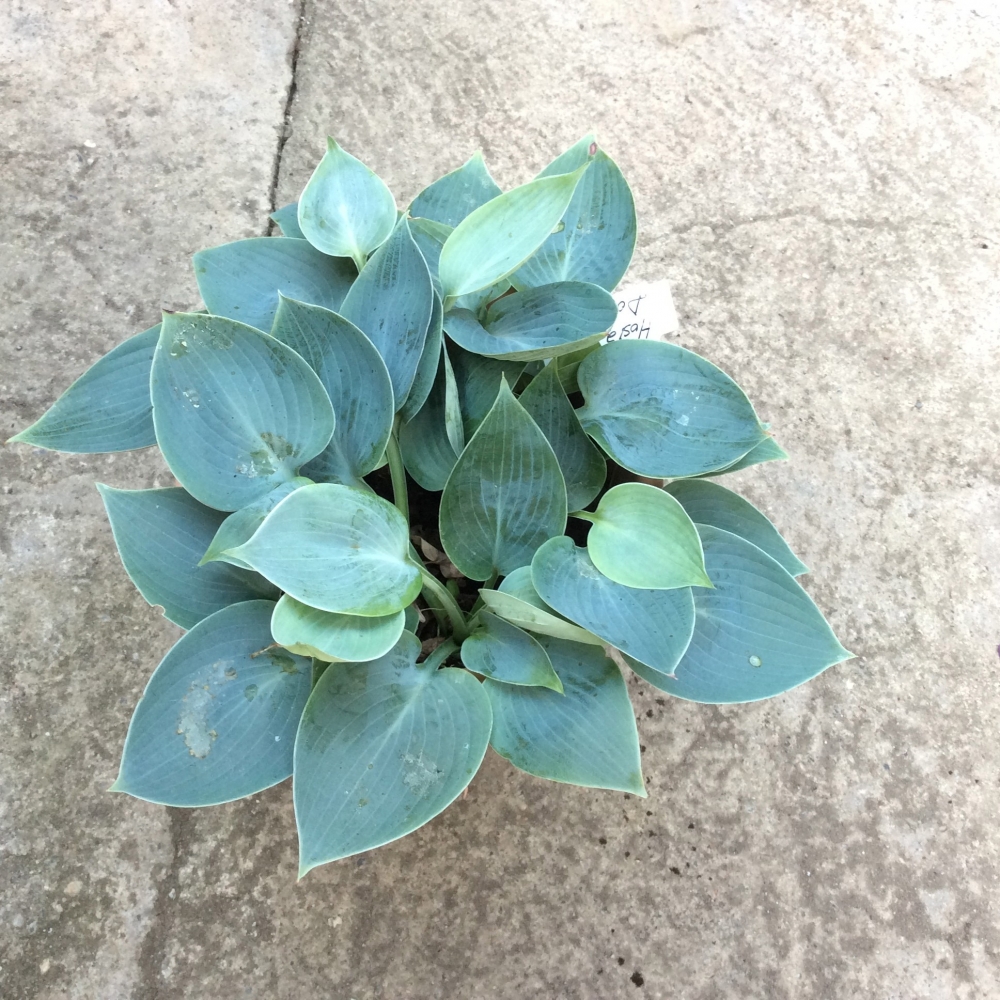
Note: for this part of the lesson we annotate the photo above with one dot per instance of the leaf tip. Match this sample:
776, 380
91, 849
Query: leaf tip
21, 437
844, 654
306, 865
636, 786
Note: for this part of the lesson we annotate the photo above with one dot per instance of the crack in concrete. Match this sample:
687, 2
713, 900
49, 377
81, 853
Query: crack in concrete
286, 118
153, 951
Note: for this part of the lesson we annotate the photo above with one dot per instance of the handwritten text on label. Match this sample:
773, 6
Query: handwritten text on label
645, 312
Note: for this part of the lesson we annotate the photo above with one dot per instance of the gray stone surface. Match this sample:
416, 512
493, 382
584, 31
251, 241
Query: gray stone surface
819, 181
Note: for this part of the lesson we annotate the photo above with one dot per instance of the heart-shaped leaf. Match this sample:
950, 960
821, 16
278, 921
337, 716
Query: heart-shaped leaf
518, 602
538, 323
427, 367
583, 465
503, 652
243, 280
756, 635
332, 637
218, 718
432, 440
597, 235
383, 747
504, 497
495, 239
584, 736
236, 412
357, 382
478, 381
107, 408
161, 535
345, 209
337, 549
642, 537
452, 197
709, 503
654, 626
662, 411
392, 302
287, 217
241, 524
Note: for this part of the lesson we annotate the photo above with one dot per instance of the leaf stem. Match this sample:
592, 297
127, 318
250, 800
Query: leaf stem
398, 474
437, 597
439, 655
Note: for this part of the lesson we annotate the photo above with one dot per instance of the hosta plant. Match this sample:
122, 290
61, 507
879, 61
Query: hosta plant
422, 510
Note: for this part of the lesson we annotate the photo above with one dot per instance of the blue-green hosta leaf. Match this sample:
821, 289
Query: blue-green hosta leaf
218, 718
597, 235
654, 626
583, 465
161, 535
427, 367
241, 524
642, 537
518, 602
504, 652
345, 209
584, 736
538, 323
287, 218
504, 497
710, 503
495, 239
756, 635
767, 451
432, 440
430, 237
533, 615
452, 197
392, 302
355, 379
476, 302
336, 548
569, 365
107, 408
382, 748
478, 381
243, 280
662, 411
236, 412
332, 637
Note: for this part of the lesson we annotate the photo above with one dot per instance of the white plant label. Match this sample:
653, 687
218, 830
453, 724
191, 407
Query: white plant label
645, 312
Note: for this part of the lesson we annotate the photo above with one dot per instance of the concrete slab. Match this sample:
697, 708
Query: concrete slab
819, 181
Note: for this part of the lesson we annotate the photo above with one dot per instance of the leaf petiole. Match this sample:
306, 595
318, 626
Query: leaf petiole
438, 599
397, 473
